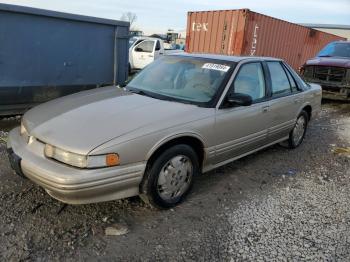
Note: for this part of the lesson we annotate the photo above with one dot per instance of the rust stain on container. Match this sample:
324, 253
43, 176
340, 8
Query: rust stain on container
243, 32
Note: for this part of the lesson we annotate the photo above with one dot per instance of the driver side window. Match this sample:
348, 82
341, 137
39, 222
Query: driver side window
250, 81
145, 46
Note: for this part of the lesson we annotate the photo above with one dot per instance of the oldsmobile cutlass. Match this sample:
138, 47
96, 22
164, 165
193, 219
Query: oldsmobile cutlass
182, 115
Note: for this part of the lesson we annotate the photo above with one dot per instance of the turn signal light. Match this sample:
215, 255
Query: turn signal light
112, 160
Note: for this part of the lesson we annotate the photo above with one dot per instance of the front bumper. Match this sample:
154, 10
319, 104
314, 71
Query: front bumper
68, 184
342, 94
15, 162
333, 90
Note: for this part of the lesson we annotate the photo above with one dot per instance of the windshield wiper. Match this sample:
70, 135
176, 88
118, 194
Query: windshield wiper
158, 96
142, 92
324, 56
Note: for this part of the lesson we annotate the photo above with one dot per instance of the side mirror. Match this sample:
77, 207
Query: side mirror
138, 49
239, 99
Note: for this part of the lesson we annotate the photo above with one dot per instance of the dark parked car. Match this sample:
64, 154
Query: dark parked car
331, 69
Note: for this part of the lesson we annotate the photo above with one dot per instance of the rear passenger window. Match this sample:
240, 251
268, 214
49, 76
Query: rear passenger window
291, 81
279, 79
250, 81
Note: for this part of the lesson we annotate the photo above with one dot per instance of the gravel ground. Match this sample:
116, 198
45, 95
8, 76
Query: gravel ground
277, 204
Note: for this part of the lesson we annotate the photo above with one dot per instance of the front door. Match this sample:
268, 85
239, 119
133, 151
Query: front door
240, 130
143, 53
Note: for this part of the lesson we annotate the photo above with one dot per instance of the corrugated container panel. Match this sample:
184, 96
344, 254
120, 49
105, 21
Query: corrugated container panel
46, 54
243, 32
237, 33
267, 36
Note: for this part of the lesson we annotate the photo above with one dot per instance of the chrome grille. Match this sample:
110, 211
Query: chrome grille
330, 74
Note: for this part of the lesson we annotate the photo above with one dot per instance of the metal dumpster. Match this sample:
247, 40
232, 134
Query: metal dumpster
46, 54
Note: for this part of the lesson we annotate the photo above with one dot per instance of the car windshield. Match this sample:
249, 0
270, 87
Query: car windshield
335, 49
187, 79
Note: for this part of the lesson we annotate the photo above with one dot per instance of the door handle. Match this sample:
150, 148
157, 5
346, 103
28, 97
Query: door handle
265, 108
150, 55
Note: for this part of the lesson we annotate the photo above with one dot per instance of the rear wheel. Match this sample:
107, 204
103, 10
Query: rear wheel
296, 136
169, 179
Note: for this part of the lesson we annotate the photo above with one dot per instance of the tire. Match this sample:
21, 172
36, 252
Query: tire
170, 178
296, 136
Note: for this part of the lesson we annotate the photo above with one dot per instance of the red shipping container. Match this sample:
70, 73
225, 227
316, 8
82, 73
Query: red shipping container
243, 32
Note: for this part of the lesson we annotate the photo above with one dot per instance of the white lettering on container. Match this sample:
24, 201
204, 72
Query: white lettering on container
254, 41
197, 27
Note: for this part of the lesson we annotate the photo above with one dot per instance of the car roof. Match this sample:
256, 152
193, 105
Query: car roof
145, 38
225, 57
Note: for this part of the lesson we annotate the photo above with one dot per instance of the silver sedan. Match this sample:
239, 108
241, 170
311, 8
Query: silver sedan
181, 116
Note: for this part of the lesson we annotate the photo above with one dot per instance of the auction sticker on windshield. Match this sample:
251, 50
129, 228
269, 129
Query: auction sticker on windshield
218, 67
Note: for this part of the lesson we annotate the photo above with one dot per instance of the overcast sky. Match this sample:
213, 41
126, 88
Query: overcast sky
156, 16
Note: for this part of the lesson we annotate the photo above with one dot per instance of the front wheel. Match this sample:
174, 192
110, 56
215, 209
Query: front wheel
169, 179
296, 136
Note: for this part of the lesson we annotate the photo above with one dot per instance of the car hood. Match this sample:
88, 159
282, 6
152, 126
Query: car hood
329, 61
81, 122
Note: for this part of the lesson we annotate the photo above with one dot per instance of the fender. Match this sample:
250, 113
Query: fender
172, 137
306, 103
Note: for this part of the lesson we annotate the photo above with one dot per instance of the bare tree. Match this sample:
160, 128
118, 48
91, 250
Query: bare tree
129, 17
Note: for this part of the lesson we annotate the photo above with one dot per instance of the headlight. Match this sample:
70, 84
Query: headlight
24, 133
81, 161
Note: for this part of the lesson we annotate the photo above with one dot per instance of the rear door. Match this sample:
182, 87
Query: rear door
239, 130
143, 53
286, 101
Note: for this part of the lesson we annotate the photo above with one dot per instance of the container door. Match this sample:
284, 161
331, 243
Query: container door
143, 53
